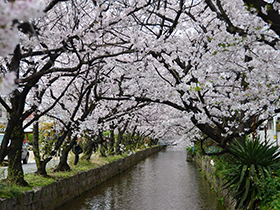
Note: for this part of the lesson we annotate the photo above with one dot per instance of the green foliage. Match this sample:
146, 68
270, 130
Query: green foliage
270, 192
47, 139
250, 7
191, 150
213, 149
278, 127
30, 137
7, 191
2, 171
202, 173
253, 162
221, 165
39, 181
106, 133
112, 158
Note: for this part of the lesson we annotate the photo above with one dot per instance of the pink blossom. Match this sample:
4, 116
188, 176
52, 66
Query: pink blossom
7, 83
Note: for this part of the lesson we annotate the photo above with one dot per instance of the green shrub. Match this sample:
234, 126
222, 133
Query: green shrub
252, 163
213, 149
270, 192
221, 164
191, 150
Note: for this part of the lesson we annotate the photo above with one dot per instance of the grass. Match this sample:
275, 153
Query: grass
13, 191
35, 181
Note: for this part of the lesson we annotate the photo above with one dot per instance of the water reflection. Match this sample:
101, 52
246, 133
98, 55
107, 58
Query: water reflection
164, 181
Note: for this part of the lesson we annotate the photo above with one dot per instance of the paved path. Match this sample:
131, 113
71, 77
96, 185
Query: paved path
30, 167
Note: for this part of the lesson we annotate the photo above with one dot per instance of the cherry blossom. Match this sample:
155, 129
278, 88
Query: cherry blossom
10, 12
170, 68
21, 10
7, 83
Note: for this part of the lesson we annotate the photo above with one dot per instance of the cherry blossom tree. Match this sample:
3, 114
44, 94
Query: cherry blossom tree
217, 66
110, 116
61, 43
14, 16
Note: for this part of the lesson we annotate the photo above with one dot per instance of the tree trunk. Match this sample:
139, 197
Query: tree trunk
89, 147
132, 138
137, 140
103, 149
102, 144
118, 143
41, 167
120, 138
112, 140
63, 165
15, 171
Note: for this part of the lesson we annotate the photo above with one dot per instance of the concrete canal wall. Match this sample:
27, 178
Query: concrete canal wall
54, 195
207, 168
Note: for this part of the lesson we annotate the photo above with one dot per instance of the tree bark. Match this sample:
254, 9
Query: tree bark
89, 147
14, 128
41, 167
63, 165
103, 146
15, 171
118, 143
112, 139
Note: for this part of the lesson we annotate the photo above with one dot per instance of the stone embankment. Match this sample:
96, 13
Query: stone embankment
54, 195
206, 165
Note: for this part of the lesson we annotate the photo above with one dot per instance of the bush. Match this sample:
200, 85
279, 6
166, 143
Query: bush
253, 162
270, 192
191, 150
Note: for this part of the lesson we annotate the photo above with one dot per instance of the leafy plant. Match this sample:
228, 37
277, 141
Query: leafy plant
191, 150
252, 163
213, 149
221, 164
270, 192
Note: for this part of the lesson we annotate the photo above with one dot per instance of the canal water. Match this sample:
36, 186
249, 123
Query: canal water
163, 181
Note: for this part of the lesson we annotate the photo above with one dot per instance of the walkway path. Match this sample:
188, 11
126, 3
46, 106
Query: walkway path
30, 167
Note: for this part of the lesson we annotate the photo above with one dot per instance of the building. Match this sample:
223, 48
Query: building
270, 130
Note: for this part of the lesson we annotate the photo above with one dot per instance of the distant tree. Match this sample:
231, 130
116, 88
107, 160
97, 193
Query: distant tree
214, 64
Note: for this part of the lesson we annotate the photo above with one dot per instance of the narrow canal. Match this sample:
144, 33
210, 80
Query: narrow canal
164, 181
